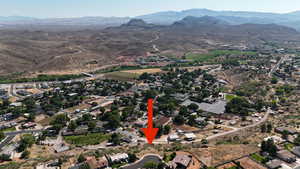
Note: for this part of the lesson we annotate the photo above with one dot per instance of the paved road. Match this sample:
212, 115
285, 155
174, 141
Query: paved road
14, 133
143, 161
240, 129
277, 65
6, 141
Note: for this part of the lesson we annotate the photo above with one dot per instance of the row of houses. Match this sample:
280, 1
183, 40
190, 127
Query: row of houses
103, 162
286, 159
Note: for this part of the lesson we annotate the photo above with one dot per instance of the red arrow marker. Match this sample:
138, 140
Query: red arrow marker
150, 132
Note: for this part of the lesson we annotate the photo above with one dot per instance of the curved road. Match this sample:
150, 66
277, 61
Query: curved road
140, 163
240, 129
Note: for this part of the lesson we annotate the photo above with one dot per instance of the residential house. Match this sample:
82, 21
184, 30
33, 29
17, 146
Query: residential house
190, 136
48, 165
281, 130
94, 163
10, 150
173, 137
181, 161
162, 121
81, 129
274, 164
180, 96
118, 158
28, 125
61, 148
286, 156
296, 151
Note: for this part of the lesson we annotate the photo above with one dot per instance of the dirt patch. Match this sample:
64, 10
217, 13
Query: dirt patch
226, 166
220, 154
185, 128
247, 163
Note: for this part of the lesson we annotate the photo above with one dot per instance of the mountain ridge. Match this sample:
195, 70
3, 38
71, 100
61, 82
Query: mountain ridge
291, 19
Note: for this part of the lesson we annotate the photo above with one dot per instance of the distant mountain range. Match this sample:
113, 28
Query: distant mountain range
60, 51
232, 17
165, 18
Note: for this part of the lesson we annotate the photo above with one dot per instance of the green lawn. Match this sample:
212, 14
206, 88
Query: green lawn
229, 97
89, 139
289, 146
9, 129
292, 117
258, 158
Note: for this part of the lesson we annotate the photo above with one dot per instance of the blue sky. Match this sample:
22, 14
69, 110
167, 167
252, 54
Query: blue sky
77, 8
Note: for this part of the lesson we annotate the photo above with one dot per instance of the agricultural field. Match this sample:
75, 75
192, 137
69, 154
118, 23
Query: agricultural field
123, 76
215, 53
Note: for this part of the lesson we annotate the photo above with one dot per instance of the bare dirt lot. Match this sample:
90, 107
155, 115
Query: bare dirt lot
220, 154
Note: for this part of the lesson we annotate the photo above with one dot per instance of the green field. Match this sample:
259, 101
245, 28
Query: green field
292, 116
216, 53
89, 139
288, 146
8, 129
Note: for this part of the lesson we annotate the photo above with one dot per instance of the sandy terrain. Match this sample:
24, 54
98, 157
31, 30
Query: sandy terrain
141, 71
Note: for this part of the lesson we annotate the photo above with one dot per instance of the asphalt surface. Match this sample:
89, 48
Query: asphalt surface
14, 133
277, 65
240, 129
141, 163
6, 141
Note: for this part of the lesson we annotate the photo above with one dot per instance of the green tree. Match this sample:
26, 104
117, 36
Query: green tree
4, 157
238, 105
263, 128
269, 127
72, 125
92, 125
26, 141
25, 154
132, 157
274, 80
285, 134
179, 120
269, 146
81, 158
167, 129
115, 139
193, 107
2, 136
60, 119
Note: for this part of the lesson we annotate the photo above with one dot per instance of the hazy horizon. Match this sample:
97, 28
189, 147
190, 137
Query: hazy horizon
132, 8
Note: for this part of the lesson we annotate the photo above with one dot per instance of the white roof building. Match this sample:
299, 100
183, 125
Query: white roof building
173, 137
118, 157
190, 136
